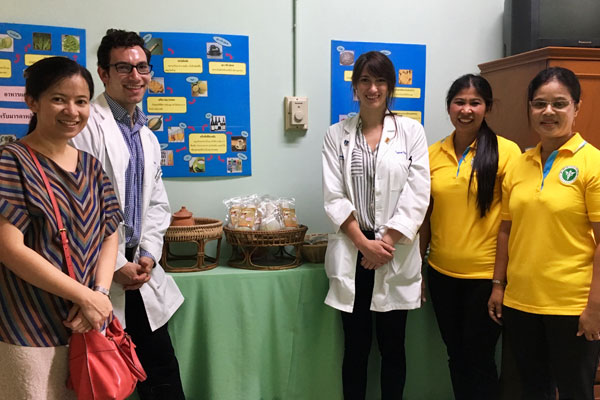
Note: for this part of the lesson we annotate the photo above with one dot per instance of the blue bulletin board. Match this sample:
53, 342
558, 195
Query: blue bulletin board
20, 46
198, 103
409, 61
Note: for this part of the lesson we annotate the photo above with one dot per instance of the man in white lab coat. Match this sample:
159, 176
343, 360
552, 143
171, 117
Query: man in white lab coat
144, 297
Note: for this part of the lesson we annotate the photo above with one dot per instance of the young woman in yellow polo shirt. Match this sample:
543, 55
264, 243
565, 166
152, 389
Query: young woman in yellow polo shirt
467, 168
547, 251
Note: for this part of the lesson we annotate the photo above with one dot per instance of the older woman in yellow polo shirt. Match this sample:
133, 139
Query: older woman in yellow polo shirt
467, 168
547, 251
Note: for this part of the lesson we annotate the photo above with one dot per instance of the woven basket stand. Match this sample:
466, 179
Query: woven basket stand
248, 245
203, 231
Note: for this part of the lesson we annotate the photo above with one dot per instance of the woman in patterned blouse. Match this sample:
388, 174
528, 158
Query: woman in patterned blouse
40, 303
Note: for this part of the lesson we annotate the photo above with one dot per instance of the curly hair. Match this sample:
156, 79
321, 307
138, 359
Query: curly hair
116, 38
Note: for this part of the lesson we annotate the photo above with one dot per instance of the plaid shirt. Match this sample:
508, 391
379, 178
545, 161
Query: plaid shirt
134, 175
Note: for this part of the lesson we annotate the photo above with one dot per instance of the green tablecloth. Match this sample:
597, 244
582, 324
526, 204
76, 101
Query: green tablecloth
257, 335
266, 335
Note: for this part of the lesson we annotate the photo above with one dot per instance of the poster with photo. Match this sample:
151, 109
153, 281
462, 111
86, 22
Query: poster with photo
409, 62
198, 103
22, 45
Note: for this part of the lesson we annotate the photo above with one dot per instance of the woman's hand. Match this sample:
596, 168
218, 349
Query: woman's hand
369, 264
589, 320
376, 253
96, 309
495, 303
589, 324
76, 321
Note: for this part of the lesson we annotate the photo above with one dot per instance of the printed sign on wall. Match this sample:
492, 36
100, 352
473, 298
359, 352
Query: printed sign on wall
198, 103
409, 62
20, 46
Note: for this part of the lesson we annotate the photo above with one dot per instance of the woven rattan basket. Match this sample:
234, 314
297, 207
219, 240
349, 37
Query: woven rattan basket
314, 252
254, 249
204, 230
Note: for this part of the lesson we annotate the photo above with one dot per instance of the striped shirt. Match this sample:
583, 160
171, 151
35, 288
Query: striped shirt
362, 167
30, 316
134, 175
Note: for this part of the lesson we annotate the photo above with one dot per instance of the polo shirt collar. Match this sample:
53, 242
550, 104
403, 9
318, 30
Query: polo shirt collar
572, 146
448, 144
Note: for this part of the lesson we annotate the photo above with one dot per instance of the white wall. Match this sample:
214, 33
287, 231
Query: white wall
459, 34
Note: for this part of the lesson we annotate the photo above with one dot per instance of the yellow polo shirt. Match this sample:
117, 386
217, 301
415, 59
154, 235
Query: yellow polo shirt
463, 245
551, 244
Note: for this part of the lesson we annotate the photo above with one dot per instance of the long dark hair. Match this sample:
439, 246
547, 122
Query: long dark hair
46, 73
379, 65
485, 162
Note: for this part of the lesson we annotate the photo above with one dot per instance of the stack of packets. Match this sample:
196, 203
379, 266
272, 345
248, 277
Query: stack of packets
261, 213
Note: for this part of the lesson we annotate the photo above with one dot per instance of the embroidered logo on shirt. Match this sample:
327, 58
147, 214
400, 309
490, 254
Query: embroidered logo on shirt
568, 174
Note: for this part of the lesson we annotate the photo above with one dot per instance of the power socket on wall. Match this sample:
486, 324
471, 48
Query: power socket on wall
295, 112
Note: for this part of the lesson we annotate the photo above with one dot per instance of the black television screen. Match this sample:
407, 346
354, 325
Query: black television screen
532, 24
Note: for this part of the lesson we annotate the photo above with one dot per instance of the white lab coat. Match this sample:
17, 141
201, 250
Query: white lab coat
401, 199
103, 139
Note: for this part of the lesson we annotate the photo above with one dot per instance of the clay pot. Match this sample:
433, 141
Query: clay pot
182, 217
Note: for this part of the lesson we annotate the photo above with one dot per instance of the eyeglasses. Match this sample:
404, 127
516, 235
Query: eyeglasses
556, 105
126, 68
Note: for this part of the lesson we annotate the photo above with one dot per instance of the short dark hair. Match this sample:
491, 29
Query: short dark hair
562, 75
116, 38
46, 73
378, 65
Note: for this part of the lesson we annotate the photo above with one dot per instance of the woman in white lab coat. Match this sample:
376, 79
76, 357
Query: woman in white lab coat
376, 193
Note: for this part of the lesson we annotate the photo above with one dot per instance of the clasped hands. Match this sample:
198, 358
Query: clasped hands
376, 253
90, 314
96, 308
133, 275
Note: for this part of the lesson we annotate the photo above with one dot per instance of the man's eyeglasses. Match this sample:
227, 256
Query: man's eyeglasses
556, 105
126, 68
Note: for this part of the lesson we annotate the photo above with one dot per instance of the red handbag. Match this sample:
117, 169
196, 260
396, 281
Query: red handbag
100, 367
103, 367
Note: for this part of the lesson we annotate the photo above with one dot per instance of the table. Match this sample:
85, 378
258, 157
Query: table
252, 335
257, 335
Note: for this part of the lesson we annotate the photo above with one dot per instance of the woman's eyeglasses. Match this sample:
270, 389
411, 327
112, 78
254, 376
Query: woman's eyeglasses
556, 105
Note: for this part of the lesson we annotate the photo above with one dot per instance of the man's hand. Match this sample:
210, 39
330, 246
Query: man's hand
147, 264
132, 276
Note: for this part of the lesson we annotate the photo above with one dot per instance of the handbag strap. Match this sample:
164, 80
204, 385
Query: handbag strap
61, 229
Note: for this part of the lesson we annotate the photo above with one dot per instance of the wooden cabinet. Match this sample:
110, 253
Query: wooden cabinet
510, 77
